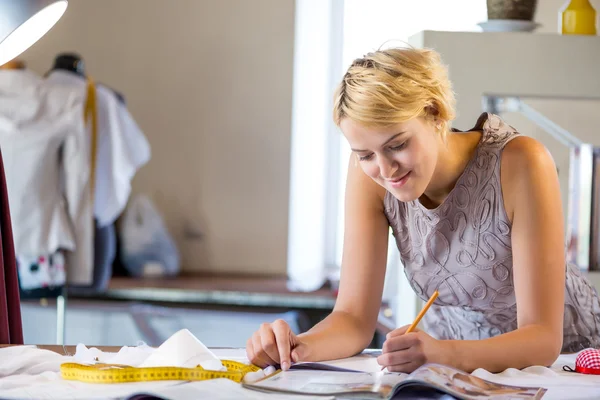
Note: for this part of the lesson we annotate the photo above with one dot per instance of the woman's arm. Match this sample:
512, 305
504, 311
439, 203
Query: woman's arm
532, 200
351, 325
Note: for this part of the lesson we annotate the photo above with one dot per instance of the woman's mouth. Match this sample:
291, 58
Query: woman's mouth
399, 182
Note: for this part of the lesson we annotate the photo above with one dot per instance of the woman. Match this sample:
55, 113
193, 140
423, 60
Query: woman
476, 215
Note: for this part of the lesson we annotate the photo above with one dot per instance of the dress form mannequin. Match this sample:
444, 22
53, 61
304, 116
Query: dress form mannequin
121, 150
104, 236
53, 289
71, 62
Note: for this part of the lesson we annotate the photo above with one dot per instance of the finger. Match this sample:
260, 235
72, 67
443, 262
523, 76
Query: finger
400, 331
251, 355
401, 342
297, 354
283, 337
397, 358
404, 368
259, 353
268, 342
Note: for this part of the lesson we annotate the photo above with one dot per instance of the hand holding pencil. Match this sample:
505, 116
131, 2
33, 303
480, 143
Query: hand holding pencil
406, 348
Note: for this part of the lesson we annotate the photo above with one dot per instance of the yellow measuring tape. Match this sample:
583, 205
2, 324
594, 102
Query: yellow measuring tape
113, 373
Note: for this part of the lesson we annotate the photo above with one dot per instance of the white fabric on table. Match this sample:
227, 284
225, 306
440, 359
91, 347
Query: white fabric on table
561, 385
27, 372
27, 365
35, 370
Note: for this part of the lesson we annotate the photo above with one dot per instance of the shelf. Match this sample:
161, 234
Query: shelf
515, 64
204, 289
506, 62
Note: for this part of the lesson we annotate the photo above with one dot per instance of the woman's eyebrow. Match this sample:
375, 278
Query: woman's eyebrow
386, 142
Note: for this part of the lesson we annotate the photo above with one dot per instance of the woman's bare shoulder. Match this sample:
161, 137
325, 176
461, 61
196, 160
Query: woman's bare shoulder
523, 159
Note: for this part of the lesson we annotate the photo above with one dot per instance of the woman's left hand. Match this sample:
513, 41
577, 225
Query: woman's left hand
405, 352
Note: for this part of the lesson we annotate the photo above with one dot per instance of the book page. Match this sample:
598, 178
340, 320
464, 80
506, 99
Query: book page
467, 386
364, 362
385, 384
330, 382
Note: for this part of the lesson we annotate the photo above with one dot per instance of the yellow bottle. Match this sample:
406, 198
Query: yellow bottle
578, 17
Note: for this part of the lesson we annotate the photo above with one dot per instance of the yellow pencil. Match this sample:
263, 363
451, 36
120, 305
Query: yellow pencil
421, 314
423, 311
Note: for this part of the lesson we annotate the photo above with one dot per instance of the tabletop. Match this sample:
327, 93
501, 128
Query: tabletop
560, 384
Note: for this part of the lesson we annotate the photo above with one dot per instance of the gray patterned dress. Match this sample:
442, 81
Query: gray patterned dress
463, 249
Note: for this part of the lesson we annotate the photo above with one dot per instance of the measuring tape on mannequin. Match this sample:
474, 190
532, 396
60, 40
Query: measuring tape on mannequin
112, 373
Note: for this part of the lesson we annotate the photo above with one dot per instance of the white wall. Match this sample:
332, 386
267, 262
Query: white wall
210, 83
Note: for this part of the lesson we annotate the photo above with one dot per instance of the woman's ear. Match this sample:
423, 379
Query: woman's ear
433, 115
432, 111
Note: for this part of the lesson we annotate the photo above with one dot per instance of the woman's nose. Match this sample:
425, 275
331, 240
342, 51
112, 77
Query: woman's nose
387, 167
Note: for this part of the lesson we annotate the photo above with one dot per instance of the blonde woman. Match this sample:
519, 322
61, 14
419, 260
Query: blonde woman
476, 215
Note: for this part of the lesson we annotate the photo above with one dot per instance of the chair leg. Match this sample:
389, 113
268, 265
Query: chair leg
61, 305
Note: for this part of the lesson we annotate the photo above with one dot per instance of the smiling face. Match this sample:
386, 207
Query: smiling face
394, 107
401, 157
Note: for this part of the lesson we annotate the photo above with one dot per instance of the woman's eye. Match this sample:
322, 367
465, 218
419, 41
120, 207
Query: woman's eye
399, 147
366, 158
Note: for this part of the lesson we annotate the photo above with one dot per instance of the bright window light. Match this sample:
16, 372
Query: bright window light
369, 25
31, 31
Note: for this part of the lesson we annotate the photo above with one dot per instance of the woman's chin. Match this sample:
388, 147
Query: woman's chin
405, 194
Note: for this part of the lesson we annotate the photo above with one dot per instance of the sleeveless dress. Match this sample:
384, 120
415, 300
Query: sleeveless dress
462, 248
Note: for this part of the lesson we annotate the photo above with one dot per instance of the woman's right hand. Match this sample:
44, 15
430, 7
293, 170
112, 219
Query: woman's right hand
275, 344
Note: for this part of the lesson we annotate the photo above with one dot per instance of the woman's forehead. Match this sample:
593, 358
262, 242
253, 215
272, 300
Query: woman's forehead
356, 130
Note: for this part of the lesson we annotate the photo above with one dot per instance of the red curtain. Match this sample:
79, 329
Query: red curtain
11, 327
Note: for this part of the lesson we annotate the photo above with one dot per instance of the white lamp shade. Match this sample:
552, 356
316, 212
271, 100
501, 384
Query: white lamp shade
24, 22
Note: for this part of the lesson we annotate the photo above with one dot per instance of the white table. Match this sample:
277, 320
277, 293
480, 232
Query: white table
36, 370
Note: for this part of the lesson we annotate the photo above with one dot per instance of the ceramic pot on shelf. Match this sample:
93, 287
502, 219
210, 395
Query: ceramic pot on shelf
510, 16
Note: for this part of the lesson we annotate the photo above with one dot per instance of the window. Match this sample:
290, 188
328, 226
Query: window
329, 35
369, 25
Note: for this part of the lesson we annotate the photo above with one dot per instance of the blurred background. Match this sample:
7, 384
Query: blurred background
215, 198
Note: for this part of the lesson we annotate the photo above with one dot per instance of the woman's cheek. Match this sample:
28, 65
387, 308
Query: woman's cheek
407, 160
371, 169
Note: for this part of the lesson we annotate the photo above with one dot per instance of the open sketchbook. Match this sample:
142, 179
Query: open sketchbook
328, 380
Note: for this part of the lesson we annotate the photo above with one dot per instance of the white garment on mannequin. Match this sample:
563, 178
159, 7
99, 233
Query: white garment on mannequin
122, 149
38, 122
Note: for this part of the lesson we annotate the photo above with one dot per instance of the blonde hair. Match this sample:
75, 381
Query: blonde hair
390, 86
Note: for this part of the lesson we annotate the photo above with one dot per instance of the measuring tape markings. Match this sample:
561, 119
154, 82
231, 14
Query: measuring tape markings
115, 373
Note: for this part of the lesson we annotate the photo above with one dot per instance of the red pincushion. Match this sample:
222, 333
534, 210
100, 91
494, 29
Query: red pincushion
588, 362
